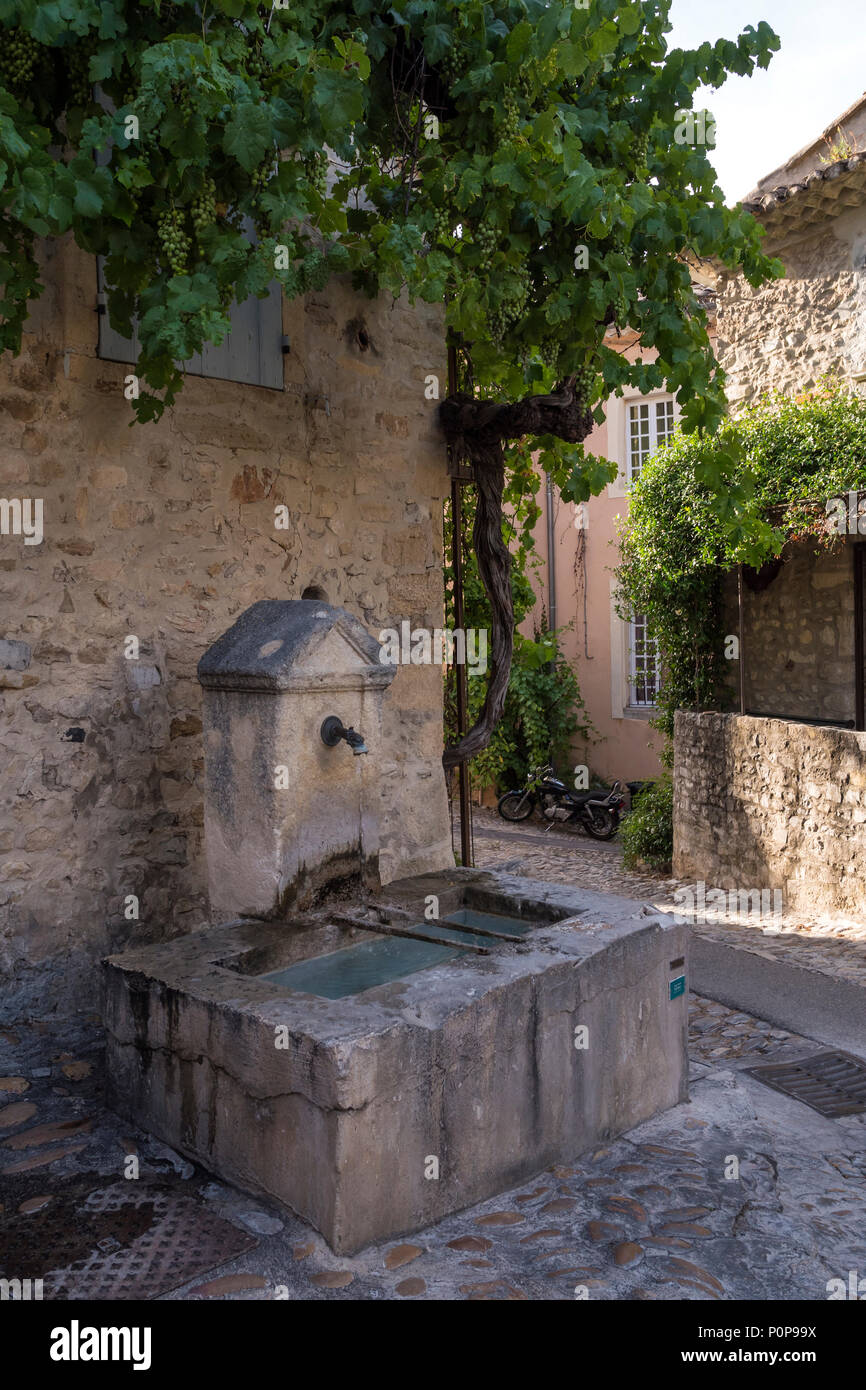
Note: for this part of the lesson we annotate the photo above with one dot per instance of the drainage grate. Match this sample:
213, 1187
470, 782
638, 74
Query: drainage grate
128, 1240
833, 1083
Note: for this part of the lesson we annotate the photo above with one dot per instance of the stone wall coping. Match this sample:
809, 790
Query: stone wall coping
194, 967
854, 738
270, 646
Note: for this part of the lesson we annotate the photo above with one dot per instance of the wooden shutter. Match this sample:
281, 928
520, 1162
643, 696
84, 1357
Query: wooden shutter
251, 351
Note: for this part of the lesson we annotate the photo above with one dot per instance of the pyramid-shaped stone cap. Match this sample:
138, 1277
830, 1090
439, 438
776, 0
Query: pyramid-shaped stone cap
294, 644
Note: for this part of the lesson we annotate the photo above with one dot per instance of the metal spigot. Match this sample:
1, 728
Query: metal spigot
333, 729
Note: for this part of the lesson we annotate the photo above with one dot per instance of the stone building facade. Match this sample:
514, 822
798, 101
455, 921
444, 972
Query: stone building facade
164, 533
774, 797
787, 334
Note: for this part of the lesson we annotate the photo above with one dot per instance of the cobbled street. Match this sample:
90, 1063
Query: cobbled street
741, 1193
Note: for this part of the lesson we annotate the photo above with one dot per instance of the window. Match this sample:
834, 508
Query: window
251, 352
650, 424
643, 664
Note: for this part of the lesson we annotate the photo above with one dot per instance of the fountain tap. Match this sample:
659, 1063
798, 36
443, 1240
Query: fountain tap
333, 730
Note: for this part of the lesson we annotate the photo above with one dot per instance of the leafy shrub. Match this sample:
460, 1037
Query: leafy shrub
775, 465
648, 829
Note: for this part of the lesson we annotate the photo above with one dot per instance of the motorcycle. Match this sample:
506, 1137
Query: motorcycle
597, 811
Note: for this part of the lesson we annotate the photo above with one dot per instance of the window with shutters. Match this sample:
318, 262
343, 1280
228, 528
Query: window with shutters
252, 352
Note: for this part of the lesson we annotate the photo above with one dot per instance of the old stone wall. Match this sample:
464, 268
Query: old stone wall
799, 636
165, 533
789, 333
766, 803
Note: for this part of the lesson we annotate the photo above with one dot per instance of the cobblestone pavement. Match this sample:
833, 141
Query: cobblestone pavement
833, 946
739, 1193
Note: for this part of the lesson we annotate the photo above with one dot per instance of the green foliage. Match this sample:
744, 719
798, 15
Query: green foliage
701, 506
647, 831
555, 128
544, 708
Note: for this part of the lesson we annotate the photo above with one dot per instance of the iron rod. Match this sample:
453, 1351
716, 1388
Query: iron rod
460, 670
388, 930
742, 639
859, 640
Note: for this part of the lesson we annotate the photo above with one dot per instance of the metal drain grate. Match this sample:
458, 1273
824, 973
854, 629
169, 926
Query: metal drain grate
126, 1240
833, 1083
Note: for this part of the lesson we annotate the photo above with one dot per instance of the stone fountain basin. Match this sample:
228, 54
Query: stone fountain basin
379, 1113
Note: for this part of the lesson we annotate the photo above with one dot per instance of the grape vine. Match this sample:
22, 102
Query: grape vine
309, 124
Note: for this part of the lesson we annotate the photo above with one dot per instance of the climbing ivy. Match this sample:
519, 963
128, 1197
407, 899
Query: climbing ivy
478, 145
779, 463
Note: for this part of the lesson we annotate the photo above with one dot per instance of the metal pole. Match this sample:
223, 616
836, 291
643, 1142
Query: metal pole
551, 555
859, 638
742, 639
460, 669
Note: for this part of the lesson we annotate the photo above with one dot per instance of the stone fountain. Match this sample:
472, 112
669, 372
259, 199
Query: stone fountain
374, 1057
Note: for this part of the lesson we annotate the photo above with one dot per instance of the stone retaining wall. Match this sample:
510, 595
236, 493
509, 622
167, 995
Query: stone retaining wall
767, 803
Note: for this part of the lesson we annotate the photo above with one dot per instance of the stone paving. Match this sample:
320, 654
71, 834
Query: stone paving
740, 1193
834, 946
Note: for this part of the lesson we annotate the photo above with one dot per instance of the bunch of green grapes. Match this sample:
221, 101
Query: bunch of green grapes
584, 381
18, 59
261, 177
78, 73
486, 238
549, 350
511, 118
256, 64
182, 97
640, 148
453, 65
498, 323
619, 305
443, 225
512, 307
316, 170
203, 207
175, 242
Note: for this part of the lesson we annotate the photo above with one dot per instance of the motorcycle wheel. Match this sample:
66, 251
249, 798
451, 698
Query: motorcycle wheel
600, 823
515, 806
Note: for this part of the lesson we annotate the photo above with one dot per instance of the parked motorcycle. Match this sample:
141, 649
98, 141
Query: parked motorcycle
596, 810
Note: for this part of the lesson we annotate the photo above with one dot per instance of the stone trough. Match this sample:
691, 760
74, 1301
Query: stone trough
377, 1060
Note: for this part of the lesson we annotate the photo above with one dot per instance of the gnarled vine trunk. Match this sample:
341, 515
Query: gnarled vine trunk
476, 431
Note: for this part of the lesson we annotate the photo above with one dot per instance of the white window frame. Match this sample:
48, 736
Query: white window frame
622, 646
618, 415
644, 660
642, 443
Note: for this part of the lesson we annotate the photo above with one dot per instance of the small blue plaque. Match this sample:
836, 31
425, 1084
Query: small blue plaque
678, 986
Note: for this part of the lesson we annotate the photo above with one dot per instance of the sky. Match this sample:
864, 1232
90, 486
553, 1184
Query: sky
817, 73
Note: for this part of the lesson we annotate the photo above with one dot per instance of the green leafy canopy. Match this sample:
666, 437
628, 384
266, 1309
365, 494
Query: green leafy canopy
554, 127
702, 506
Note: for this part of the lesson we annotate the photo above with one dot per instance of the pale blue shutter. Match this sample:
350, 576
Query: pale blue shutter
252, 352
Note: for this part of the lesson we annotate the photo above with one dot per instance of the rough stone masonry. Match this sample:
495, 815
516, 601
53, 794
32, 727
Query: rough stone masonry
165, 533
763, 803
